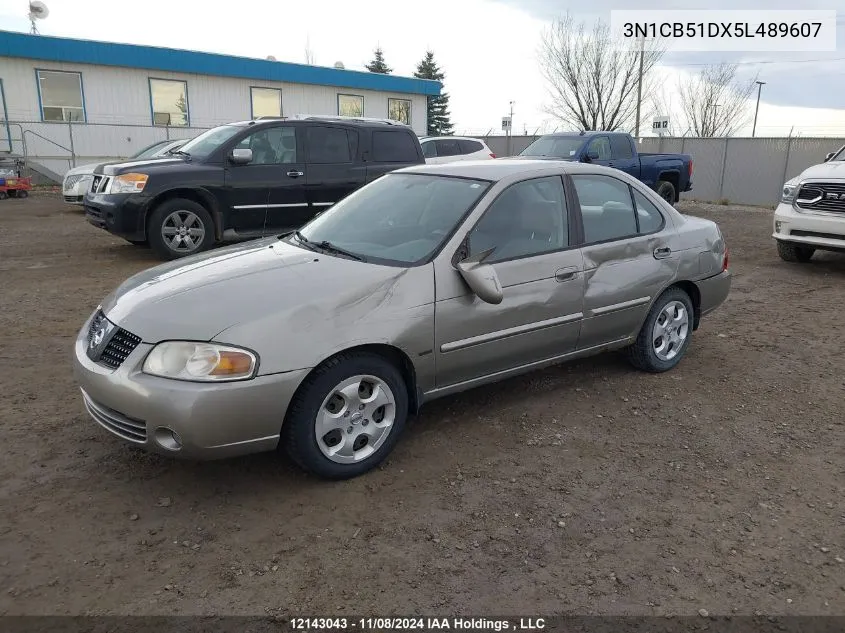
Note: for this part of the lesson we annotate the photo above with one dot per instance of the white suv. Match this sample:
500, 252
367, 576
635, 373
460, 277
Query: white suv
811, 213
447, 149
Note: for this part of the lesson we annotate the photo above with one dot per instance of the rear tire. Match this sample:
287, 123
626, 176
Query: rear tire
22, 194
179, 228
795, 254
666, 190
3, 195
328, 417
666, 333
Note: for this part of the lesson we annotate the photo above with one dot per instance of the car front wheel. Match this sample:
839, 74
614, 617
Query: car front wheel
346, 417
179, 228
794, 253
665, 336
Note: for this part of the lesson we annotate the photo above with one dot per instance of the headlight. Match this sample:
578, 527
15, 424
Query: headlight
206, 362
128, 183
789, 190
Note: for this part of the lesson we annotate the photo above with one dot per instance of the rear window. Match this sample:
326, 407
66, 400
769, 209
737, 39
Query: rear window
470, 147
394, 147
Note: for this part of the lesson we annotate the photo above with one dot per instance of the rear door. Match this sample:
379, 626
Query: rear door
334, 168
622, 155
627, 259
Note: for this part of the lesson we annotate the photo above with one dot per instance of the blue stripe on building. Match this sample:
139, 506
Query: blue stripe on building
59, 49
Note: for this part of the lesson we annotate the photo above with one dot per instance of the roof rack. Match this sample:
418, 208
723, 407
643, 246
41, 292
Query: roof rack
358, 119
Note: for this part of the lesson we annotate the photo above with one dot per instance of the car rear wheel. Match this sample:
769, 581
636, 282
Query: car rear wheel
179, 228
666, 190
346, 417
138, 242
665, 335
794, 253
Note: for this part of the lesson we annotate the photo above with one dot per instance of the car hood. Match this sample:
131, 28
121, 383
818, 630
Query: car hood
82, 170
539, 157
833, 169
198, 297
145, 165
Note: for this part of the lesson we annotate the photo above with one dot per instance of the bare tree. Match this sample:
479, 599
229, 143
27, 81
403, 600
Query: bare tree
309, 54
715, 102
592, 81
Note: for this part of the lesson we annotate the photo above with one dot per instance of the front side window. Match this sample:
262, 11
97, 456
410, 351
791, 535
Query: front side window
394, 147
601, 146
170, 102
350, 105
606, 208
266, 102
399, 110
399, 218
528, 218
61, 96
271, 146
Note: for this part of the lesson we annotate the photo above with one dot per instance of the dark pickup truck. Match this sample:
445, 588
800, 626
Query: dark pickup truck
667, 174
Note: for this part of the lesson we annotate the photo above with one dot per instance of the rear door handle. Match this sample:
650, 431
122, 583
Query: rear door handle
566, 274
295, 174
662, 252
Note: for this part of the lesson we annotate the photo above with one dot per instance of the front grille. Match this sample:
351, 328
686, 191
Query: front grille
71, 181
99, 184
824, 236
822, 196
120, 344
119, 424
73, 198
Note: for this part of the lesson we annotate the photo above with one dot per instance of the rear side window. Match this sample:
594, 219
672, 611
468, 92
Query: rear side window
607, 211
650, 219
448, 147
394, 147
469, 147
331, 144
620, 147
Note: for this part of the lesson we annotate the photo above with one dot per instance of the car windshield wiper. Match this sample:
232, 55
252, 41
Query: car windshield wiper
328, 246
179, 152
303, 240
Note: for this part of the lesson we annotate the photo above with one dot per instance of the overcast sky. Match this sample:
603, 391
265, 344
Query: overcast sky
487, 48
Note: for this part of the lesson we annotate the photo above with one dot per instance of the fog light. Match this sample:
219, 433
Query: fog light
777, 227
167, 438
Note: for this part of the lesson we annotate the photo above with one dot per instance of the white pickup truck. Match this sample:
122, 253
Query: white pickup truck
811, 213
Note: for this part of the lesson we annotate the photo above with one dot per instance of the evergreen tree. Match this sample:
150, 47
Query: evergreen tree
378, 65
438, 105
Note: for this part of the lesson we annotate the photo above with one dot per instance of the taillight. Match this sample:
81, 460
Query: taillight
690, 168
492, 155
725, 260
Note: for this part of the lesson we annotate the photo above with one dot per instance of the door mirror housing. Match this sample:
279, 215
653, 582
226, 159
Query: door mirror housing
481, 278
241, 156
590, 156
829, 156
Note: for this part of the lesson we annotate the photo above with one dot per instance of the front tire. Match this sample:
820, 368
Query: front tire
795, 254
666, 190
346, 417
179, 228
665, 335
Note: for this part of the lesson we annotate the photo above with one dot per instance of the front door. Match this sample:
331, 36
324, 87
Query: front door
626, 261
334, 170
542, 282
270, 180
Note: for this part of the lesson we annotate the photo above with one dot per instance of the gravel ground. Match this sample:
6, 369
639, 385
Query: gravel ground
586, 488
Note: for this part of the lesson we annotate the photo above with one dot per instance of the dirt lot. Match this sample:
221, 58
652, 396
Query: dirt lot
588, 488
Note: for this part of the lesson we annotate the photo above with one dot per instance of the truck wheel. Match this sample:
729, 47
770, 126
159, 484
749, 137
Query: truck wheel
180, 227
793, 253
22, 194
666, 190
665, 335
3, 195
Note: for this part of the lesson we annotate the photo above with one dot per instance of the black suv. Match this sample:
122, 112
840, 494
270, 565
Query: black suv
245, 180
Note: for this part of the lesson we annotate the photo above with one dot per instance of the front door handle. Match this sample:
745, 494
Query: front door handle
295, 174
662, 252
566, 274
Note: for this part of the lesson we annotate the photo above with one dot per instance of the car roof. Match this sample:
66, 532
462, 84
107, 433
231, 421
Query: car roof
438, 138
503, 168
337, 120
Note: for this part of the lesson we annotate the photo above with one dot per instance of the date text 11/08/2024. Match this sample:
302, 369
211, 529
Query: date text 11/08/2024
417, 624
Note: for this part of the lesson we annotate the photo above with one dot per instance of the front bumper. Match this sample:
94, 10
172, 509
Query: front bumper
75, 193
820, 230
212, 421
714, 291
122, 214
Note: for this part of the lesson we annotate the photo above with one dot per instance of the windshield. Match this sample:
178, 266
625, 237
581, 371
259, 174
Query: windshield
152, 150
399, 218
840, 155
204, 144
555, 146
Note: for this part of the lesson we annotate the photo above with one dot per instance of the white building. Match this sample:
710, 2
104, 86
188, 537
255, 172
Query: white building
65, 102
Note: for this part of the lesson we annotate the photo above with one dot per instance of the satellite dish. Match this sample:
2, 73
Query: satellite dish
270, 58
37, 11
339, 65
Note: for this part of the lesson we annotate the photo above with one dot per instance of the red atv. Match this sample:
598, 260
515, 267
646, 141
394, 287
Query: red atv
12, 184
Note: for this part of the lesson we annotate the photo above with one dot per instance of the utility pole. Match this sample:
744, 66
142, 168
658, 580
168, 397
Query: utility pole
760, 85
510, 128
640, 85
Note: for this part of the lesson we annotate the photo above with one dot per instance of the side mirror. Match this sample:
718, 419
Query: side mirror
829, 156
481, 278
591, 156
241, 156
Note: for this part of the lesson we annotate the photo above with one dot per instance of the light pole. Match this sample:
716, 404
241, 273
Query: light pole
640, 85
760, 85
510, 128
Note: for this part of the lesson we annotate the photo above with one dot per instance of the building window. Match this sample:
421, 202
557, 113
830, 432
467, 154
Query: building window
399, 110
350, 105
169, 100
266, 102
61, 95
